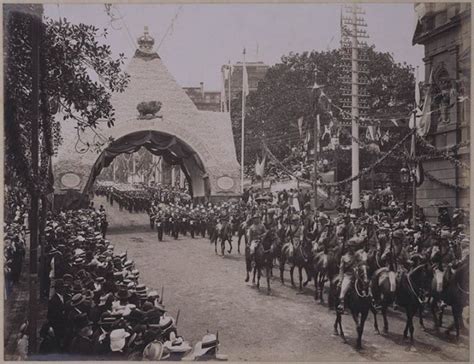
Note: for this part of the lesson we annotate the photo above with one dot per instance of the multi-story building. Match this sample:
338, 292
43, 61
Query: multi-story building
445, 31
204, 100
256, 71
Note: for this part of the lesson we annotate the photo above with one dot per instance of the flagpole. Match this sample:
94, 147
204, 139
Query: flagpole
230, 74
242, 154
414, 175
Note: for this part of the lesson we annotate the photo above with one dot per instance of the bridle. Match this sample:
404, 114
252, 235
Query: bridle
361, 295
410, 284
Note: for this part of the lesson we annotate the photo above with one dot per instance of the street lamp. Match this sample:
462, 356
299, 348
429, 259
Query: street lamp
405, 181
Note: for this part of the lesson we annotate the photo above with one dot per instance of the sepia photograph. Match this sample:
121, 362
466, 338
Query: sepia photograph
265, 182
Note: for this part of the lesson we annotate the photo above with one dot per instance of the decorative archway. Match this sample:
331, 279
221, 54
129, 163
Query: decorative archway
173, 150
156, 108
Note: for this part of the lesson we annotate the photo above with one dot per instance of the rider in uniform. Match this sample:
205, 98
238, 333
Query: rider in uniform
295, 231
256, 232
346, 272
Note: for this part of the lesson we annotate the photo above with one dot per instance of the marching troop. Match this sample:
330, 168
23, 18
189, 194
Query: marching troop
382, 257
97, 306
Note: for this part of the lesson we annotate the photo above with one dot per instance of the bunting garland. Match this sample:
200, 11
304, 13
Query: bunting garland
445, 184
364, 171
446, 156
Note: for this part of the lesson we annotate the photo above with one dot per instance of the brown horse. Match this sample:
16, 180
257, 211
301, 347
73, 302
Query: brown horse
261, 258
301, 258
409, 294
320, 261
384, 285
359, 303
456, 294
225, 234
242, 232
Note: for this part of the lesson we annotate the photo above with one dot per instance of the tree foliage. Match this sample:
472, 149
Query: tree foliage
77, 77
284, 95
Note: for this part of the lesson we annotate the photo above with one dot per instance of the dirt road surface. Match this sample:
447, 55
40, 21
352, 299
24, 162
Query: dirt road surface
287, 326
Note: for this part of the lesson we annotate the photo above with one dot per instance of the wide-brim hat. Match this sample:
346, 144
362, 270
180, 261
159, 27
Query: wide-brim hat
136, 315
207, 343
82, 321
77, 299
77, 287
107, 319
123, 294
117, 339
166, 323
177, 346
154, 315
153, 351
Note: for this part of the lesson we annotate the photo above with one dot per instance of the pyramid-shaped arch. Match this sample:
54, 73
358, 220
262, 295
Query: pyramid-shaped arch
208, 134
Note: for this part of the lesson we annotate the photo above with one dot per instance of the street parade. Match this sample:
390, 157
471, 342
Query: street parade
311, 204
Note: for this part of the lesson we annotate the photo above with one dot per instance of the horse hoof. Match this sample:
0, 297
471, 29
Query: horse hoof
246, 279
385, 331
376, 332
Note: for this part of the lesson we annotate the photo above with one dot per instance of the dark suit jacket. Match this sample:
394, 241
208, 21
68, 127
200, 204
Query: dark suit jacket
56, 311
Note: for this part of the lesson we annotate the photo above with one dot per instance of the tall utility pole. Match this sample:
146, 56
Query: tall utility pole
316, 106
242, 151
228, 84
351, 32
315, 160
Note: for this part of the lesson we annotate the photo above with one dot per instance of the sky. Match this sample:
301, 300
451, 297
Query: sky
195, 40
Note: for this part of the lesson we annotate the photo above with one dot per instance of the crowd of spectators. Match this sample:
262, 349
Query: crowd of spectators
97, 307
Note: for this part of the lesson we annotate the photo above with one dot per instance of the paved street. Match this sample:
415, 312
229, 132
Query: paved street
211, 293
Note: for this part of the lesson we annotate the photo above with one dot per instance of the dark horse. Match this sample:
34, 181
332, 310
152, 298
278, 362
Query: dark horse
358, 301
224, 233
260, 258
241, 232
456, 294
320, 260
409, 294
299, 255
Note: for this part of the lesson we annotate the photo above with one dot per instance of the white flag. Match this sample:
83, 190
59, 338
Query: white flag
370, 134
423, 123
245, 80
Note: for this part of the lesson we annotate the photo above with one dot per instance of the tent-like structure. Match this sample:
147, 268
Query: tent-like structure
201, 142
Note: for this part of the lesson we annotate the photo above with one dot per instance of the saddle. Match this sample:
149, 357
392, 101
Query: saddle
384, 273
